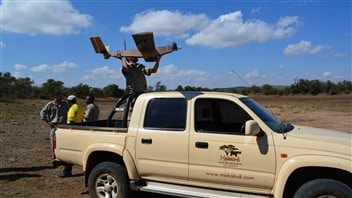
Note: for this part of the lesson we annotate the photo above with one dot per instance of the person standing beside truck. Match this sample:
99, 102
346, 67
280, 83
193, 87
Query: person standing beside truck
92, 112
53, 113
74, 115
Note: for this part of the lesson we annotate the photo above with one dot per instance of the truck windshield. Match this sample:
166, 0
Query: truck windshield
270, 120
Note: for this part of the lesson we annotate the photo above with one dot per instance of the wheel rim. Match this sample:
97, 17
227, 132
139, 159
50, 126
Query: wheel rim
106, 186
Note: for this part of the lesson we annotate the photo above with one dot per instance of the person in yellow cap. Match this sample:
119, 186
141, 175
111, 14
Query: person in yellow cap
75, 113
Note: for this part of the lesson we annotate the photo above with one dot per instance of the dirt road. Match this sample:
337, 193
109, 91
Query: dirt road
25, 147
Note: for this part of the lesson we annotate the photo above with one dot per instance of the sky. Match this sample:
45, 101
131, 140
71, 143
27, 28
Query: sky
223, 43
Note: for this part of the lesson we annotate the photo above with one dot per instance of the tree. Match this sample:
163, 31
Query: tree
112, 90
160, 87
303, 86
334, 90
80, 90
328, 86
179, 88
23, 87
96, 92
50, 87
7, 85
285, 91
36, 91
150, 88
268, 89
346, 86
255, 89
315, 87
202, 89
189, 88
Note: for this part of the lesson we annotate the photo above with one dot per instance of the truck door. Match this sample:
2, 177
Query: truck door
162, 140
221, 155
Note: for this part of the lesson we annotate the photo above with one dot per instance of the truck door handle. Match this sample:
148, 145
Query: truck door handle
146, 141
202, 145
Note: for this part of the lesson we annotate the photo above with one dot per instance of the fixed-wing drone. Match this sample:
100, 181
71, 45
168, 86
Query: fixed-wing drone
145, 48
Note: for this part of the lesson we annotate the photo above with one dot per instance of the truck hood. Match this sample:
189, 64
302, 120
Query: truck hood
323, 135
302, 140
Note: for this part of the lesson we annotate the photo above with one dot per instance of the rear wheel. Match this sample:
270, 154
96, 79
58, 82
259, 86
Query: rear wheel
324, 188
108, 179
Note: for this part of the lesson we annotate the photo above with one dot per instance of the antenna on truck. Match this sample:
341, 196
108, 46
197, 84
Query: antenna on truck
240, 78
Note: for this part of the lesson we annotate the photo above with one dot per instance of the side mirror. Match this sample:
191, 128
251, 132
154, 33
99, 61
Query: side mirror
252, 128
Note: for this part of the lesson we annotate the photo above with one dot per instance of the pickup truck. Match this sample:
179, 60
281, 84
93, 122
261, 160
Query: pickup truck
206, 144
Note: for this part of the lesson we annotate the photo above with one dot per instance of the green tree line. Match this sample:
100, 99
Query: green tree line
302, 86
13, 88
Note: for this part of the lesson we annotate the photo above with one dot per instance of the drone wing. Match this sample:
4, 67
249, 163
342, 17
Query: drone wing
99, 47
145, 44
145, 48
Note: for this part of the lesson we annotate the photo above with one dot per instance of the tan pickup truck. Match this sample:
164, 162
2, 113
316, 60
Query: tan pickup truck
206, 144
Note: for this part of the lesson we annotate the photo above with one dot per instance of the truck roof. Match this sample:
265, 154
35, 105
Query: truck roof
191, 94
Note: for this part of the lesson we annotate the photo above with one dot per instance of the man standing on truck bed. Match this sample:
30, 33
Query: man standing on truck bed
136, 82
134, 73
53, 113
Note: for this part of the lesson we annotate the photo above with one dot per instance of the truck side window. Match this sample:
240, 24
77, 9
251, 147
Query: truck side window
219, 116
166, 113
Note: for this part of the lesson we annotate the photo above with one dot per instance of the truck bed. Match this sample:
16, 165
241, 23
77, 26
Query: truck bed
76, 141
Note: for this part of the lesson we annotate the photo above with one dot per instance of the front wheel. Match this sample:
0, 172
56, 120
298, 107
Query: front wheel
323, 188
108, 179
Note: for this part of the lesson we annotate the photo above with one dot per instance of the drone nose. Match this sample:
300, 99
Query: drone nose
174, 46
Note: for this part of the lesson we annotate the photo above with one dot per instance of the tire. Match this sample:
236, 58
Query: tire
108, 179
324, 188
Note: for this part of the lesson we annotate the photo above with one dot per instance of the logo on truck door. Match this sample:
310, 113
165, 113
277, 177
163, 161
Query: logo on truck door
231, 156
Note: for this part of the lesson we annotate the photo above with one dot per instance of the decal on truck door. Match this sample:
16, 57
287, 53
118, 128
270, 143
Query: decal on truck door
231, 157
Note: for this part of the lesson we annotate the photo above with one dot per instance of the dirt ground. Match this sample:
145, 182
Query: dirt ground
25, 148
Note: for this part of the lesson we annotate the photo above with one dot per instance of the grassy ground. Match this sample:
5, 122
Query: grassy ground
25, 148
330, 112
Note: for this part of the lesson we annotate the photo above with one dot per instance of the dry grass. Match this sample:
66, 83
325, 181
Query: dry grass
330, 112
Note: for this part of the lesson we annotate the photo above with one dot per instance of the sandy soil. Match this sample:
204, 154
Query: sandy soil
25, 147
